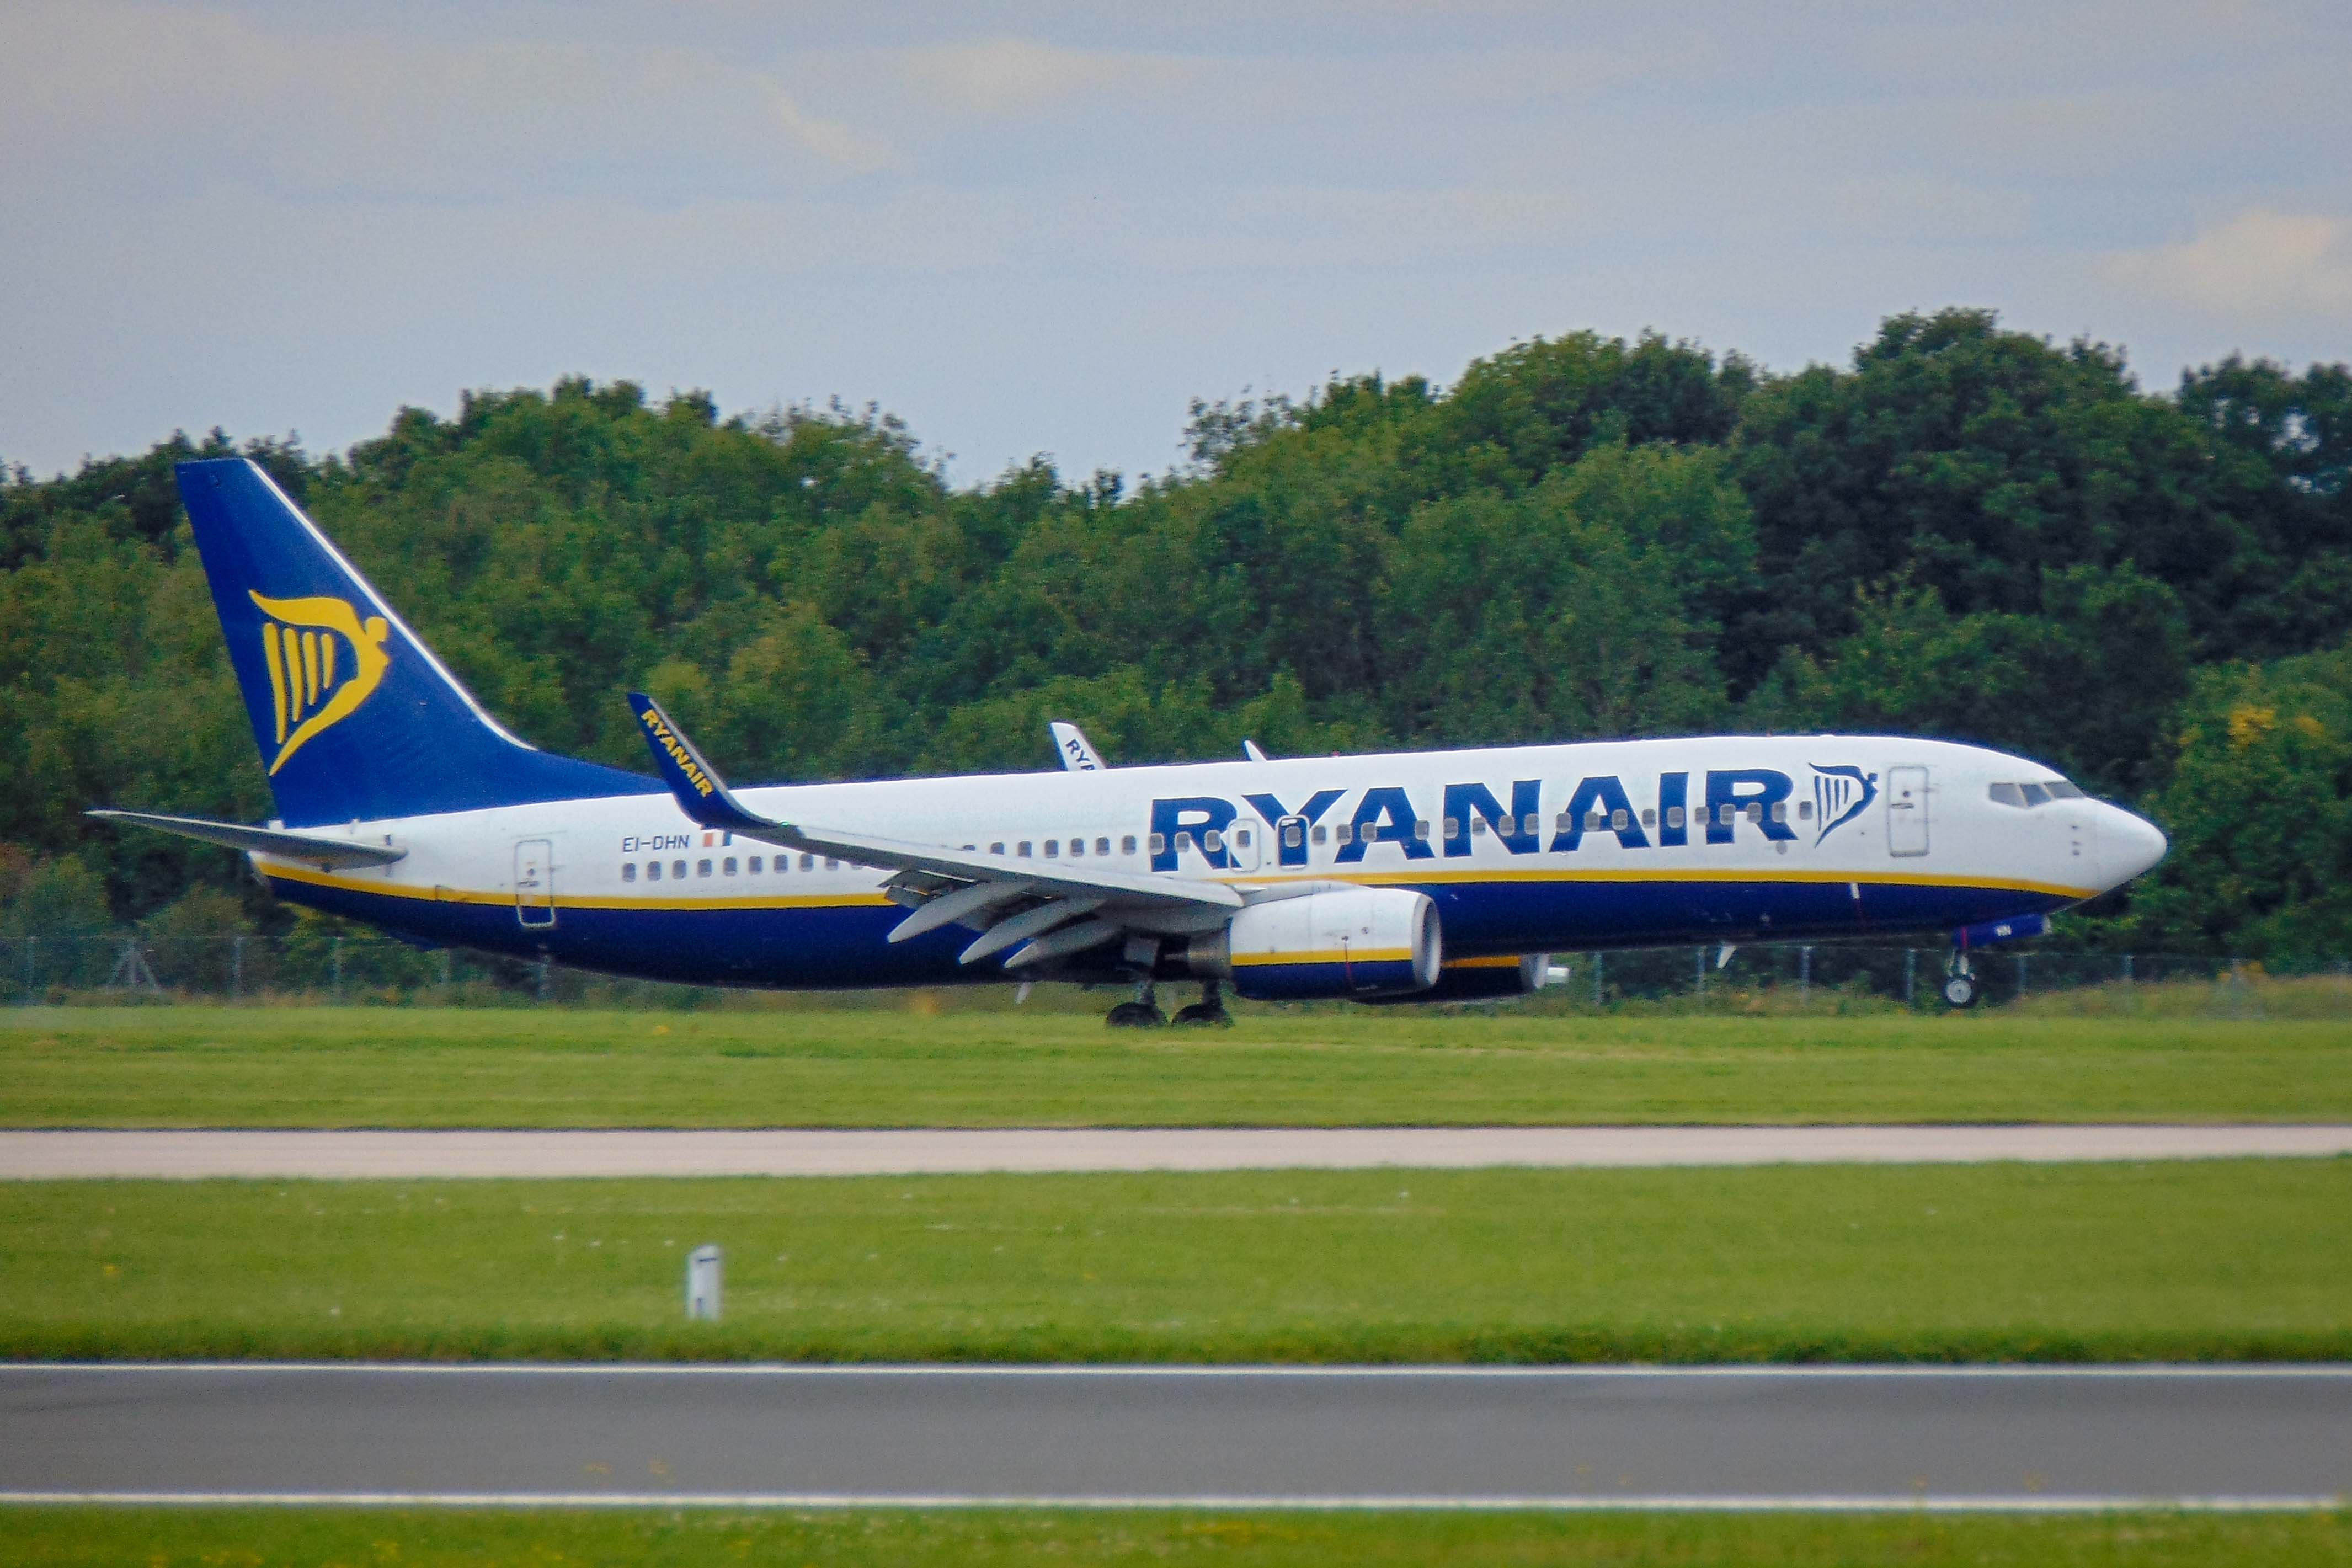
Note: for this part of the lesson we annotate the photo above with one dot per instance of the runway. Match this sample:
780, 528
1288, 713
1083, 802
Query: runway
2022, 1438
187, 1156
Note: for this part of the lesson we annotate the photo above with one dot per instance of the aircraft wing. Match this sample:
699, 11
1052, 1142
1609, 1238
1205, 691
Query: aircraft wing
319, 849
1016, 903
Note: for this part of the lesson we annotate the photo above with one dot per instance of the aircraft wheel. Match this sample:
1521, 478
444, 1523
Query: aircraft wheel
1135, 1016
1203, 1014
1960, 990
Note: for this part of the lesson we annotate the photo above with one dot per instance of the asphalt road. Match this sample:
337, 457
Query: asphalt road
415, 1155
2028, 1438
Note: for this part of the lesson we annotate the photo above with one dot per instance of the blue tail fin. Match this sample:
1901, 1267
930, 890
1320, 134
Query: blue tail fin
355, 716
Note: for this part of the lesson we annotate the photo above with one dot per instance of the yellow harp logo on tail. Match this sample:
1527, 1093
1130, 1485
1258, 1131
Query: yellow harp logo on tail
323, 661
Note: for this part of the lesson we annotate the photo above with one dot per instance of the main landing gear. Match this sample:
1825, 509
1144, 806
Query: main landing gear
1143, 1012
1960, 979
1209, 1012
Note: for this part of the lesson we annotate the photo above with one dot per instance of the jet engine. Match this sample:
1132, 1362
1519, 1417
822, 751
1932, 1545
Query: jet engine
1359, 943
1488, 980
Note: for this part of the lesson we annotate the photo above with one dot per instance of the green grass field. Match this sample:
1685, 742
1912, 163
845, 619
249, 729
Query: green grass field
183, 1537
194, 1065
2209, 1260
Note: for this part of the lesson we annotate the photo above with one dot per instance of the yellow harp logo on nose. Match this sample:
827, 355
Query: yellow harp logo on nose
323, 661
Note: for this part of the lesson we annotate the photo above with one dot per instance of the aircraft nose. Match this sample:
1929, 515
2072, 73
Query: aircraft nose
2129, 846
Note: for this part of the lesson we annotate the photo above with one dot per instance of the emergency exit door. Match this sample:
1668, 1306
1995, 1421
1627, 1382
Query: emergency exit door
534, 882
1906, 811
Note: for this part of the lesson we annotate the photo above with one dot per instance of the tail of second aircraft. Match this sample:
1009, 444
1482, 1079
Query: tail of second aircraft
355, 716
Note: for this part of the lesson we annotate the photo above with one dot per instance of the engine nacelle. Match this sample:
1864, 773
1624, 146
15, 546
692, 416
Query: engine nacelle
1487, 980
1356, 942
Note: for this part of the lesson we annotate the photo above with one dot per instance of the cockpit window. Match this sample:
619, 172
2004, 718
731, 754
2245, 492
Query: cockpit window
2025, 796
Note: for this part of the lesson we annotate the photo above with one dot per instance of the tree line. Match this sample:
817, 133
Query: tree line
1966, 531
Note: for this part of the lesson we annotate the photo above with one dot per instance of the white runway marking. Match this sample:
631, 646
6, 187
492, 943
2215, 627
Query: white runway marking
897, 1151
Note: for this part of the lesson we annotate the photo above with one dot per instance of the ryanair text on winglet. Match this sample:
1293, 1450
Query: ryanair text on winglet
677, 752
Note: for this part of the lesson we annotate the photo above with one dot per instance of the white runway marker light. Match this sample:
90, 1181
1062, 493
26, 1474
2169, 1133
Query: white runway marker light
703, 1267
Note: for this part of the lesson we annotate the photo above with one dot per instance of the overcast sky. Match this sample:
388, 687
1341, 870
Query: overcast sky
1043, 228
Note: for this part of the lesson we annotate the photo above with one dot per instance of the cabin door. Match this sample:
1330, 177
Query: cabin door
1243, 845
1906, 811
534, 882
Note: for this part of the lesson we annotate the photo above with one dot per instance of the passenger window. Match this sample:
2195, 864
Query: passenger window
1420, 830
1728, 815
1566, 824
1804, 811
1755, 811
629, 871
1213, 841
1127, 844
1674, 816
1780, 810
1242, 837
653, 870
1078, 847
1160, 843
1453, 826
1318, 833
1052, 849
997, 848
831, 864
1346, 832
1649, 816
1593, 821
702, 868
1478, 826
1530, 825
1183, 842
1293, 836
1021, 848
1621, 820
754, 866
808, 862
678, 870
1102, 846
728, 866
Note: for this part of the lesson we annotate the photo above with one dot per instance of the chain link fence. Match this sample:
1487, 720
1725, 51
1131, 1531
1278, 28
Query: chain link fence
321, 966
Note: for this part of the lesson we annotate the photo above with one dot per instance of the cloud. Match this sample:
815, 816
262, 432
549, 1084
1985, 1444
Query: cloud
1007, 77
2261, 260
172, 98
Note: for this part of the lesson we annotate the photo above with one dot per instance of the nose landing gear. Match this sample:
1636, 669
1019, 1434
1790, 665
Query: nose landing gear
1960, 979
1209, 1011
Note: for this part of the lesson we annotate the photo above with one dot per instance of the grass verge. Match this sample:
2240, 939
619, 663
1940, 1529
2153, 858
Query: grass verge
2205, 1261
196, 1067
71, 1537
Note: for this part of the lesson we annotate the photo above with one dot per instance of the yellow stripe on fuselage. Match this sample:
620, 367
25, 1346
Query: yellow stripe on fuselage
278, 872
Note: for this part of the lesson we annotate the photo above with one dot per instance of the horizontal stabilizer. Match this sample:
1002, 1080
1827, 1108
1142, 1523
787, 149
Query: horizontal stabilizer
318, 847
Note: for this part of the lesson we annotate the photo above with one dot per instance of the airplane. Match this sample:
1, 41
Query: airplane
1427, 876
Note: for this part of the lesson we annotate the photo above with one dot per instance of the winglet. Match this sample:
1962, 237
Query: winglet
1077, 753
699, 791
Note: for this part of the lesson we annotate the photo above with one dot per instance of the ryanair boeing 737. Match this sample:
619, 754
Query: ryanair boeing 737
1419, 875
